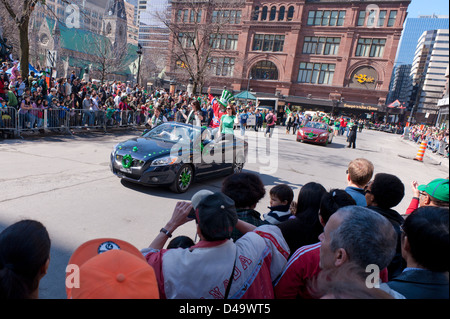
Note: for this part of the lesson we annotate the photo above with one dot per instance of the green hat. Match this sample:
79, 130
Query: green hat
225, 98
437, 188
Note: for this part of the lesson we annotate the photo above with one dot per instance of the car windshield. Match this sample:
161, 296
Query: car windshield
316, 125
174, 132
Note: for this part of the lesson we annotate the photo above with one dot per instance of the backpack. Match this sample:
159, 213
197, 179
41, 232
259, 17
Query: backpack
269, 119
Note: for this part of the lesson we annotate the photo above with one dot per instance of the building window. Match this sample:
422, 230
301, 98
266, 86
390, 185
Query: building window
196, 16
264, 70
186, 39
222, 66
290, 14
281, 13
316, 73
381, 18
226, 16
392, 17
326, 18
321, 45
340, 21
361, 18
373, 48
264, 14
255, 16
268, 42
224, 41
273, 13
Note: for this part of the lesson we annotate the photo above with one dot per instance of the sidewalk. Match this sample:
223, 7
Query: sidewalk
429, 157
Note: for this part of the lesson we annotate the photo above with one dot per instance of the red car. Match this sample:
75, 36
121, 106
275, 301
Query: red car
315, 132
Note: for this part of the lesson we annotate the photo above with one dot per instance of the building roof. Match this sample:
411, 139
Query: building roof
244, 95
88, 42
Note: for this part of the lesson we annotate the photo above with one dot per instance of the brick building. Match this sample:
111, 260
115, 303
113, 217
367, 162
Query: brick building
328, 54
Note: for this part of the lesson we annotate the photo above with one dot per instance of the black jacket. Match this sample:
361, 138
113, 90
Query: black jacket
397, 264
421, 284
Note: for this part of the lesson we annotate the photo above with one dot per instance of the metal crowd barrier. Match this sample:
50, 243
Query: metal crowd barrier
14, 122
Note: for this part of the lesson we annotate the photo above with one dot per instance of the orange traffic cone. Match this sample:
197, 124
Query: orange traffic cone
421, 151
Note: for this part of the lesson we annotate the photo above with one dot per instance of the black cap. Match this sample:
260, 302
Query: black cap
216, 216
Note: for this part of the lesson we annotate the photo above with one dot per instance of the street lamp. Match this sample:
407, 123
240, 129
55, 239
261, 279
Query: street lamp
248, 87
139, 53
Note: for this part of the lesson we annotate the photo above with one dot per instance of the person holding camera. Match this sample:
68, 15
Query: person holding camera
216, 267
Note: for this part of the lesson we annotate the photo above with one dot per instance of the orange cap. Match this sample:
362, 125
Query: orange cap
111, 269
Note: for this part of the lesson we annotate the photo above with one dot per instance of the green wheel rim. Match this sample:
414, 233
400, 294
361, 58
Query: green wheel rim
185, 178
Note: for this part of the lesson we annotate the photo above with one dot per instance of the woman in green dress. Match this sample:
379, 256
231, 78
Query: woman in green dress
227, 121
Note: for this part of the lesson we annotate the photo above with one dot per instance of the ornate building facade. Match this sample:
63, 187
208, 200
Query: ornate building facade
328, 53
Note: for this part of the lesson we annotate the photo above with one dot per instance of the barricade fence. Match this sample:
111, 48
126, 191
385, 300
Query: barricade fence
14, 122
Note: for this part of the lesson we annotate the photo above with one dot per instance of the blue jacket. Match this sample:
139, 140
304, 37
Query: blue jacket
357, 194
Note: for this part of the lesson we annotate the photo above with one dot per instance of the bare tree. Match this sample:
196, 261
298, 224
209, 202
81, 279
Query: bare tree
195, 27
20, 12
107, 58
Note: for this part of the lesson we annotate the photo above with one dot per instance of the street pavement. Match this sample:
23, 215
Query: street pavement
65, 182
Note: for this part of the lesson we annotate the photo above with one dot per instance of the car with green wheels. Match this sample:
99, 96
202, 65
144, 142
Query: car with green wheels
177, 155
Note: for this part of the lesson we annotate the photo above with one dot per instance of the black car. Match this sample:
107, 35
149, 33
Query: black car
176, 155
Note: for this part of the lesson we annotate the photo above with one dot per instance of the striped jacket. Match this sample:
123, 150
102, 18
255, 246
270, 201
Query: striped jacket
203, 271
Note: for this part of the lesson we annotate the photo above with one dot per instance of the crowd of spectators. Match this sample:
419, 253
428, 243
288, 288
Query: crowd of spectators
316, 245
437, 138
320, 244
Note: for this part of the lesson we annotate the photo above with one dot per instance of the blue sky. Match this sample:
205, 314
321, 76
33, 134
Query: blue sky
426, 7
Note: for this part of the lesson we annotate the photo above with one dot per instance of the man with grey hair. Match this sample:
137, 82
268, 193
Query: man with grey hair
359, 236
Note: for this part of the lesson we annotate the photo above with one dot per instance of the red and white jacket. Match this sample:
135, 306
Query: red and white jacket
203, 271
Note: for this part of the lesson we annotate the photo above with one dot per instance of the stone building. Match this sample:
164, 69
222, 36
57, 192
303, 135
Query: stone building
323, 54
84, 49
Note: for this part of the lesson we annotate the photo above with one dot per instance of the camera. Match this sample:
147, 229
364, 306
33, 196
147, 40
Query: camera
191, 213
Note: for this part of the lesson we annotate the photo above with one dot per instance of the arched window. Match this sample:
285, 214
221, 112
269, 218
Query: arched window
264, 70
281, 13
290, 14
108, 28
273, 13
255, 16
264, 14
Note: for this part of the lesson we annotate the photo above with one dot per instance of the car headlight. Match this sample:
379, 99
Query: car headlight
301, 132
324, 134
167, 160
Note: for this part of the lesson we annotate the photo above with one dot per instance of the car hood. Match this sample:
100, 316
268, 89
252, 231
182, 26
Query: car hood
144, 148
307, 130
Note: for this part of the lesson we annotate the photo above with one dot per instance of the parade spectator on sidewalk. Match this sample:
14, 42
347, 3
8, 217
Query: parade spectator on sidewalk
303, 265
435, 193
246, 189
88, 114
247, 267
359, 173
425, 236
24, 259
281, 197
382, 194
305, 227
110, 268
361, 237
